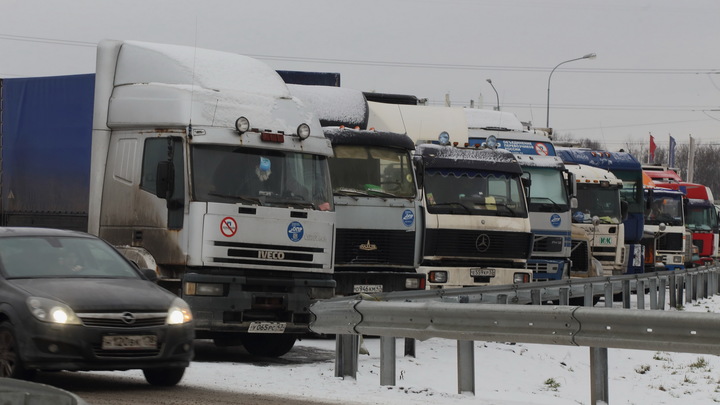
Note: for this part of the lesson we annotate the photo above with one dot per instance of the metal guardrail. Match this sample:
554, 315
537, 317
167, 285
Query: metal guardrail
471, 314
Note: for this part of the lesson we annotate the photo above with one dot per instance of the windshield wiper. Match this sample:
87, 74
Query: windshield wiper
381, 192
350, 192
238, 197
552, 203
452, 204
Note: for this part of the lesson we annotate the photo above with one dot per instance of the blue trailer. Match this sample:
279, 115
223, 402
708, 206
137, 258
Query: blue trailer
46, 127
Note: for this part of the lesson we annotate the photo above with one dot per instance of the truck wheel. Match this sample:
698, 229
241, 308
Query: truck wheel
164, 377
266, 345
11, 365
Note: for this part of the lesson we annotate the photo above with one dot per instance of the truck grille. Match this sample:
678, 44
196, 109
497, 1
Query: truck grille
374, 246
579, 255
261, 254
548, 244
671, 241
479, 244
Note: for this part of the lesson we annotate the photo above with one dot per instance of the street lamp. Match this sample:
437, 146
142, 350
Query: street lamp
588, 56
496, 94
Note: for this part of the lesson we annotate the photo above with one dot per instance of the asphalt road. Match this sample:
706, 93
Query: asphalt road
110, 390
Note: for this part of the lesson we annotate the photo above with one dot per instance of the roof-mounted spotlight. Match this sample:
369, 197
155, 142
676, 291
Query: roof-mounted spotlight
444, 138
242, 125
303, 131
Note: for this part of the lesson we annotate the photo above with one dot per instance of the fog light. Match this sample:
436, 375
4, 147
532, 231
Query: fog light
412, 283
53, 348
677, 259
519, 278
438, 277
212, 290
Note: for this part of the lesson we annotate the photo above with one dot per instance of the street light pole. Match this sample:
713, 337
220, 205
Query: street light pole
588, 56
496, 94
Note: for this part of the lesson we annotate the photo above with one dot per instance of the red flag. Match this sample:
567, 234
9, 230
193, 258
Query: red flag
652, 149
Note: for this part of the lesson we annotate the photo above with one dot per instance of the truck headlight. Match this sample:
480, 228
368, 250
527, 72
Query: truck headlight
51, 311
438, 276
519, 278
205, 289
179, 313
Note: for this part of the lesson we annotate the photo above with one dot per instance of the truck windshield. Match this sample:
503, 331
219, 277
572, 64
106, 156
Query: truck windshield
665, 209
468, 192
372, 171
547, 190
632, 190
260, 177
701, 217
597, 201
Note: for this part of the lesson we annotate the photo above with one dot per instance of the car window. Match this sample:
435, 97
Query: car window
34, 256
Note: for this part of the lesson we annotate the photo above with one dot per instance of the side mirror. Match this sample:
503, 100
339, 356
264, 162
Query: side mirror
165, 180
419, 170
571, 184
573, 202
624, 209
150, 274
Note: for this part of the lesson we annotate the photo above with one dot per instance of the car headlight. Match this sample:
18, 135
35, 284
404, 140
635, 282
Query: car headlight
51, 311
179, 313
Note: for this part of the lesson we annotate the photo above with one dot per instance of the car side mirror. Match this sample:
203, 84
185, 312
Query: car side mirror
150, 274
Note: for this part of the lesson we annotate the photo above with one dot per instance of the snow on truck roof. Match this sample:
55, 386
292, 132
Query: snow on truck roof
334, 106
171, 85
451, 157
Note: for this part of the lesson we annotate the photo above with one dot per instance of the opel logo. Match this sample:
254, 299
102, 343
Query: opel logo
482, 243
128, 318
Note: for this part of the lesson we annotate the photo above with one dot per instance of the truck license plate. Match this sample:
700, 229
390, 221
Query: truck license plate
129, 342
267, 327
482, 272
367, 288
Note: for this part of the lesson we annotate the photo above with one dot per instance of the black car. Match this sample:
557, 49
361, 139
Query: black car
70, 301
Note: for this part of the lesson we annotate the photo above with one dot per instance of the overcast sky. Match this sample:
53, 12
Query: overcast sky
657, 68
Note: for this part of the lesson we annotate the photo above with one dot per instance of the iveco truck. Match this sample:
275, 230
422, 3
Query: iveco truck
196, 163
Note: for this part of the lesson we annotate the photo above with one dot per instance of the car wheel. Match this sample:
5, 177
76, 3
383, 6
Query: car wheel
265, 345
164, 377
11, 365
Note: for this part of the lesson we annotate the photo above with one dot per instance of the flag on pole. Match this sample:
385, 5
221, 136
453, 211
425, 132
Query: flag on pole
652, 150
671, 153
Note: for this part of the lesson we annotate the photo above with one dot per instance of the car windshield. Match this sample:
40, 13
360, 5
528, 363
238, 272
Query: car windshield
470, 192
547, 190
372, 171
53, 256
253, 176
700, 217
665, 209
597, 201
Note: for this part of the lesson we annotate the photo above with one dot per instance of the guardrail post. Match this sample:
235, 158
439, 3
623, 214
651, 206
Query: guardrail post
410, 347
502, 299
680, 290
564, 296
589, 297
599, 393
640, 292
387, 360
466, 366
626, 294
654, 294
688, 288
703, 277
673, 291
608, 294
535, 296
347, 350
661, 294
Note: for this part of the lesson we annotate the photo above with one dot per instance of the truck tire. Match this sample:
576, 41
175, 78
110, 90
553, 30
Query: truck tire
267, 345
164, 377
11, 365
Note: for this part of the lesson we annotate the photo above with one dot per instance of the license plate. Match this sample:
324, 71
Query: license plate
267, 327
482, 272
129, 342
367, 288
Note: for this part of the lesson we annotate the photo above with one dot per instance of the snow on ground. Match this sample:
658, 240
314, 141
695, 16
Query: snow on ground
505, 374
